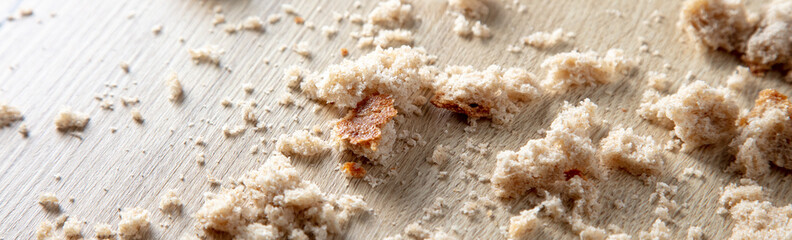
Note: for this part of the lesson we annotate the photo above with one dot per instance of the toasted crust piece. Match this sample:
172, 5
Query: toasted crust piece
765, 135
353, 169
363, 126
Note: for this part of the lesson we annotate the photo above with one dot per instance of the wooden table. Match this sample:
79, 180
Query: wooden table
67, 52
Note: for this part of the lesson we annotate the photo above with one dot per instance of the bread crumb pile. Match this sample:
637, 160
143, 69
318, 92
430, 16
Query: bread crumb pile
301, 143
765, 135
698, 113
636, 154
753, 217
468, 16
763, 40
547, 40
208, 54
386, 25
495, 92
68, 120
273, 202
8, 115
134, 223
368, 130
572, 69
563, 162
402, 72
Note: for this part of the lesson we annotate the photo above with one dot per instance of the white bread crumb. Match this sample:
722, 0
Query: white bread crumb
440, 155
765, 135
174, 88
636, 154
23, 130
400, 72
134, 223
8, 115
126, 101
771, 43
388, 15
252, 23
301, 143
469, 14
25, 12
393, 38
495, 92
298, 207
658, 81
200, 158
475, 9
274, 18
294, 74
716, 23
233, 131
528, 220
208, 53
136, 115
546, 40
226, 102
48, 201
738, 79
72, 228
67, 120
695, 233
301, 48
218, 19
329, 31
699, 114
752, 216
103, 231
288, 9
571, 69
170, 202
659, 231
45, 230
157, 29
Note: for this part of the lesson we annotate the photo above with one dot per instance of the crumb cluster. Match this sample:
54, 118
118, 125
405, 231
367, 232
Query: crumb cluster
765, 135
301, 143
68, 120
626, 150
753, 217
572, 69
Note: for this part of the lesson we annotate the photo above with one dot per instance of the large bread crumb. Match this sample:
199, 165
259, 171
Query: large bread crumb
301, 143
67, 120
636, 154
528, 220
400, 72
698, 113
368, 129
8, 115
717, 24
753, 217
494, 92
134, 223
468, 16
288, 206
771, 44
765, 135
563, 162
571, 69
393, 15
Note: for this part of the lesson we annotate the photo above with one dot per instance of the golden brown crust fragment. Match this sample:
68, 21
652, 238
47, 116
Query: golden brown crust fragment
768, 98
363, 125
353, 169
473, 110
765, 135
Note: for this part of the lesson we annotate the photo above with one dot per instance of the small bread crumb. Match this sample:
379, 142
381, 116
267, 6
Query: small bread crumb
103, 231
274, 18
157, 29
72, 228
136, 115
301, 48
353, 169
301, 143
134, 223
23, 130
547, 40
252, 23
440, 155
174, 88
67, 120
658, 81
170, 202
695, 233
636, 154
738, 79
8, 115
207, 53
48, 201
45, 230
233, 131
124, 66
571, 69
393, 38
658, 231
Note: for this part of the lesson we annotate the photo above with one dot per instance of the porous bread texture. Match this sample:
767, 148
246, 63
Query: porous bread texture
403, 73
170, 202
134, 223
545, 39
72, 228
658, 231
771, 44
717, 24
765, 135
273, 202
45, 230
393, 38
68, 120
8, 115
368, 130
301, 143
528, 220
495, 92
469, 15
572, 69
698, 113
415, 231
638, 155
753, 217
474, 9
563, 162
388, 15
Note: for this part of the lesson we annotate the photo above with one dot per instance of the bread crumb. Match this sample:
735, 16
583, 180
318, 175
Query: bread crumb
134, 223
25, 12
274, 18
658, 81
174, 88
368, 130
299, 20
23, 130
344, 52
48, 201
301, 48
468, 15
136, 115
218, 19
658, 231
286, 99
698, 113
67, 120
695, 233
157, 29
288, 9
252, 23
9, 115
353, 169
127, 101
495, 92
393, 38
547, 40
528, 220
277, 188
294, 75
563, 162
234, 131
226, 102
301, 143
170, 202
400, 72
72, 228
208, 53
765, 135
636, 154
329, 31
571, 69
124, 66
738, 79
753, 217
717, 24
440, 155
103, 231
45, 230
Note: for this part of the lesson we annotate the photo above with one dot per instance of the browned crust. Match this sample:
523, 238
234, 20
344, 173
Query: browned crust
353, 169
767, 99
362, 126
474, 110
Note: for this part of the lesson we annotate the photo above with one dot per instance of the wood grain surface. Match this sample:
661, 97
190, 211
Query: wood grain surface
67, 52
